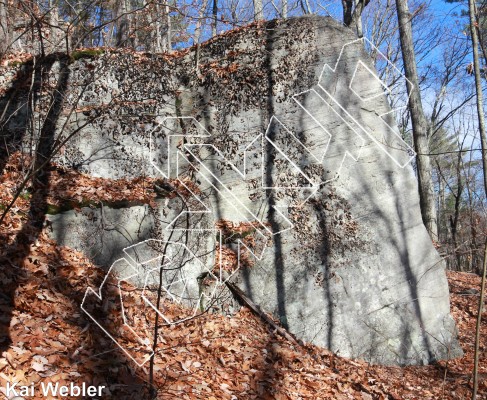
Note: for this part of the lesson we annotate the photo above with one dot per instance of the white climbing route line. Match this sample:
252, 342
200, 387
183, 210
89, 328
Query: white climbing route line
177, 265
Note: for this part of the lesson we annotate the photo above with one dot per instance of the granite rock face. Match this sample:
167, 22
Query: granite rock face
287, 136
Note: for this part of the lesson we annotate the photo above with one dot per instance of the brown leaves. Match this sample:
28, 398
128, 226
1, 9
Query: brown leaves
211, 357
73, 187
69, 189
248, 233
14, 58
218, 70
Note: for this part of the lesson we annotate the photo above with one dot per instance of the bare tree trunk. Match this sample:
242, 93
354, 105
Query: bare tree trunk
215, 18
168, 28
347, 6
352, 14
78, 36
305, 6
478, 89
357, 16
454, 236
473, 231
5, 34
258, 10
456, 218
284, 9
440, 218
420, 126
122, 34
156, 18
54, 28
199, 22
479, 320
483, 142
197, 33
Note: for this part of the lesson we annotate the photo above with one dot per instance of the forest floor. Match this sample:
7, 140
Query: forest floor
46, 337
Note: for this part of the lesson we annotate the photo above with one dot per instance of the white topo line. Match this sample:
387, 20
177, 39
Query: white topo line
134, 267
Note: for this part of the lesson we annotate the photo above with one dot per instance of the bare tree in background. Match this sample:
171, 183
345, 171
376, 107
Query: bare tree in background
474, 25
197, 33
352, 14
418, 120
168, 32
214, 18
5, 28
258, 10
123, 24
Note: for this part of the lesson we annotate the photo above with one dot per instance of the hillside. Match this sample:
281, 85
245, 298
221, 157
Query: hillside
274, 164
210, 357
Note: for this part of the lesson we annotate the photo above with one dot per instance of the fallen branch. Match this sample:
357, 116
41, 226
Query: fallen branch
240, 295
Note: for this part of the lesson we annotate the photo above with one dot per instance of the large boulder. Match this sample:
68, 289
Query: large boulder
287, 134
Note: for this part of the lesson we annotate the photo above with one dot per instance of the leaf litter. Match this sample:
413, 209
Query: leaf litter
211, 357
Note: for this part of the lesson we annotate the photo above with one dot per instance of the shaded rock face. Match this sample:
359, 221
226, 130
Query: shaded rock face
285, 129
